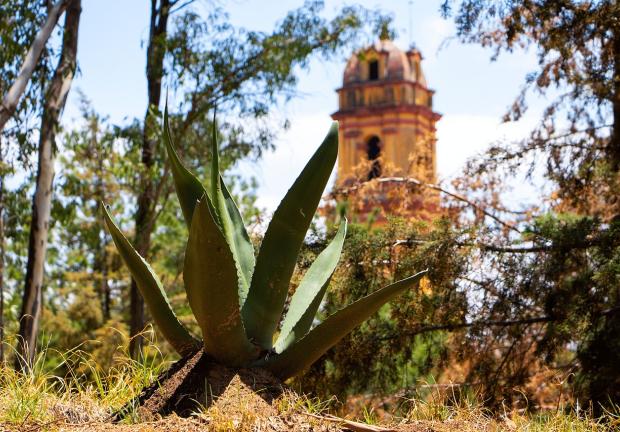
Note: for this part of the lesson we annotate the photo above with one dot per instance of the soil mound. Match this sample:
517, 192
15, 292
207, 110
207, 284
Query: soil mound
197, 382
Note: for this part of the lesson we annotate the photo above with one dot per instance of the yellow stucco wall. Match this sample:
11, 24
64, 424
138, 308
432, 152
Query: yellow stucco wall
405, 128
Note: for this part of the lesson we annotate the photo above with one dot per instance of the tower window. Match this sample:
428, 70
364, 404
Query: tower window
373, 151
373, 70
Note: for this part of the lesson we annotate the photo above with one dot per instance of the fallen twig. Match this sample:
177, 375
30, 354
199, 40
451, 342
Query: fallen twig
352, 425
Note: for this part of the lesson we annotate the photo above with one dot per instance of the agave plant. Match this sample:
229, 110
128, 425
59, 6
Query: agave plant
238, 301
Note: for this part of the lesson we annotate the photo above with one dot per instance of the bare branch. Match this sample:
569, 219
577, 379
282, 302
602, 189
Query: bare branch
416, 182
508, 249
458, 326
488, 323
484, 246
174, 8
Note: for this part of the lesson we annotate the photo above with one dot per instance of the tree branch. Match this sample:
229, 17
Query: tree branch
13, 95
488, 323
484, 246
462, 325
416, 182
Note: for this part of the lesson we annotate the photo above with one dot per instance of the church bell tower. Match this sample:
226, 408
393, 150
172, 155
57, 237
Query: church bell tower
387, 122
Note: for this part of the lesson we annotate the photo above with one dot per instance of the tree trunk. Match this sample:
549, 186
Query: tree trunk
101, 256
614, 145
2, 174
145, 214
12, 97
42, 201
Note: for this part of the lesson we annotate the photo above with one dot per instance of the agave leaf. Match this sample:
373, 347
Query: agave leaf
231, 223
189, 188
152, 291
310, 292
242, 248
215, 186
283, 239
210, 275
307, 350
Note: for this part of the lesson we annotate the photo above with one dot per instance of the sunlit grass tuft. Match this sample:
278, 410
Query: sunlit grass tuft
77, 389
467, 414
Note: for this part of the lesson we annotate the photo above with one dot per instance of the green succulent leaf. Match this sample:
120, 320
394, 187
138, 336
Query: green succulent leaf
210, 275
231, 223
283, 239
310, 292
189, 189
152, 291
307, 350
242, 247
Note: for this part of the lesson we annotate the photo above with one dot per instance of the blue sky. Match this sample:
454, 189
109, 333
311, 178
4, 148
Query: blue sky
472, 92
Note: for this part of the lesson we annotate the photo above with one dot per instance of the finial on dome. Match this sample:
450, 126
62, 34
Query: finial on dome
386, 33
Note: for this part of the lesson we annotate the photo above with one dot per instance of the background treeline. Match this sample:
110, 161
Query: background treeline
522, 303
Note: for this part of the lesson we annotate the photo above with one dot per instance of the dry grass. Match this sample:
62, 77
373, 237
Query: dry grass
84, 398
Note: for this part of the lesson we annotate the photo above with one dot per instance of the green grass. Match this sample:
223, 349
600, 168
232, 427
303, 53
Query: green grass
87, 393
76, 387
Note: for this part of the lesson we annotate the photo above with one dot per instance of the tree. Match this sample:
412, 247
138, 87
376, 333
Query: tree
145, 213
25, 28
55, 99
566, 269
392, 351
537, 285
81, 302
578, 50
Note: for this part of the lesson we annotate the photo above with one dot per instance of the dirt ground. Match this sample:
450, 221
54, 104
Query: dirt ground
268, 424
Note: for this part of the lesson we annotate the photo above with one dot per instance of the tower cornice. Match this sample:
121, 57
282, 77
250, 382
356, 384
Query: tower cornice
384, 110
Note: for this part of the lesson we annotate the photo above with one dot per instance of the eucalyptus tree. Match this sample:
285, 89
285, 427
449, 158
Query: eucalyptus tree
13, 12
25, 66
55, 98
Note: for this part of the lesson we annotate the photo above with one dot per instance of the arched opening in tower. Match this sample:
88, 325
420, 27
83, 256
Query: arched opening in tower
373, 70
373, 151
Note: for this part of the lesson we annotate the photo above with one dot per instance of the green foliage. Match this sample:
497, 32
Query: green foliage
19, 24
217, 268
583, 266
79, 299
392, 350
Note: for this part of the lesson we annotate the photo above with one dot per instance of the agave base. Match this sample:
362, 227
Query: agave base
196, 382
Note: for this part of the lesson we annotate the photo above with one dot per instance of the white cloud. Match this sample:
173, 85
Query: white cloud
462, 136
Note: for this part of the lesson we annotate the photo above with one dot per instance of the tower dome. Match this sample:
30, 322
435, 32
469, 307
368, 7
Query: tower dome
384, 61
